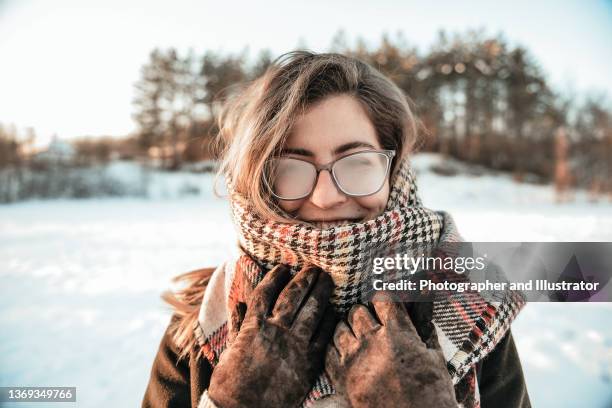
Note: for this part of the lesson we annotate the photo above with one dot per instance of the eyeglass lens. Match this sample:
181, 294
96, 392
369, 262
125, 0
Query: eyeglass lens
356, 174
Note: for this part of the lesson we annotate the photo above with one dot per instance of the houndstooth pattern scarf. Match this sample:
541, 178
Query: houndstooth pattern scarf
468, 325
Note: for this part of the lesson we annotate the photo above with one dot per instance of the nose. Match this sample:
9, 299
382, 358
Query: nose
326, 194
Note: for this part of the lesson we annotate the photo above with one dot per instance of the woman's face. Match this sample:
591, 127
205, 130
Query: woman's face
332, 128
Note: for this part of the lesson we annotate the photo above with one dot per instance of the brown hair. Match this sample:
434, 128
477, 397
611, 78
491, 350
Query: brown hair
255, 122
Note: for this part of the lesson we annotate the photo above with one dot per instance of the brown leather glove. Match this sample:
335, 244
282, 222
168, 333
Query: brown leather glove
384, 362
279, 350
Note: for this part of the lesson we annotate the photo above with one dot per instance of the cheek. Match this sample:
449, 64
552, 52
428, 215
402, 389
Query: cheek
291, 206
375, 203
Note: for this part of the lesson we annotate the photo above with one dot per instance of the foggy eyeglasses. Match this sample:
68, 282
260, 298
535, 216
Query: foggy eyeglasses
357, 174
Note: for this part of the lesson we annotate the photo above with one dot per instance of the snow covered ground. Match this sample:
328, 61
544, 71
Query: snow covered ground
80, 306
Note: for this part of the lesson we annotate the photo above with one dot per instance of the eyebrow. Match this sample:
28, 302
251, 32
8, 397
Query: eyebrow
338, 150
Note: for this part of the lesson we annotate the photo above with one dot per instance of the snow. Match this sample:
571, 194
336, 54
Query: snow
81, 282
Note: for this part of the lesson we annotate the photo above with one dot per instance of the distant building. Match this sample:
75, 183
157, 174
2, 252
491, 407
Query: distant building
57, 151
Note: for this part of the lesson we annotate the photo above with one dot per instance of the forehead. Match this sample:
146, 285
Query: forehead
334, 121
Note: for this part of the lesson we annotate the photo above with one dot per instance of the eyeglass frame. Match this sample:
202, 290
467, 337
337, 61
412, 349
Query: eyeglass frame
390, 154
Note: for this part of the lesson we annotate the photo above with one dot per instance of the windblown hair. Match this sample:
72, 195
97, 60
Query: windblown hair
255, 124
256, 121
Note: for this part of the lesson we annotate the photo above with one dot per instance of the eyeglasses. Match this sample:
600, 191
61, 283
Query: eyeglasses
356, 175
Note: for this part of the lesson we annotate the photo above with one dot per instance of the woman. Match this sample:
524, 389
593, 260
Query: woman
316, 160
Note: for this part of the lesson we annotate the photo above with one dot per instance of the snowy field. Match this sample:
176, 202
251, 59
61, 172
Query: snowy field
81, 283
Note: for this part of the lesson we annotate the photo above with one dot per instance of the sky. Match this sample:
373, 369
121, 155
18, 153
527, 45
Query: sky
69, 67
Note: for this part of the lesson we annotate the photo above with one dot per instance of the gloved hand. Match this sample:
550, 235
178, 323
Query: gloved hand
280, 348
384, 362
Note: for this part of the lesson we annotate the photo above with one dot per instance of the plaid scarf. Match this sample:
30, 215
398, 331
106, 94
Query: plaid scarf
468, 325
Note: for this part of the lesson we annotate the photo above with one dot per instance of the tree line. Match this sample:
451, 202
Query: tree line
75, 169
481, 100
178, 97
